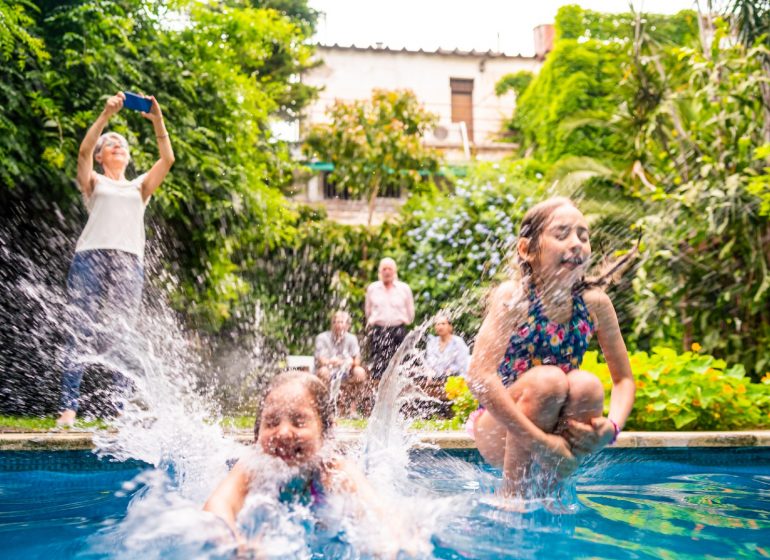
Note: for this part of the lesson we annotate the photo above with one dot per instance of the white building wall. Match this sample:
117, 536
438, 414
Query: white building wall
350, 73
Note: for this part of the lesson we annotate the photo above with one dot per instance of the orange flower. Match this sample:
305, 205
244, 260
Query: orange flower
696, 347
727, 390
740, 389
650, 408
639, 383
695, 402
766, 378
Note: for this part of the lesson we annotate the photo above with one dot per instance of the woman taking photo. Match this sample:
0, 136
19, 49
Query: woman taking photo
104, 284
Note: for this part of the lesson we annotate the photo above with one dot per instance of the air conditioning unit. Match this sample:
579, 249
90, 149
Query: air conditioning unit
455, 133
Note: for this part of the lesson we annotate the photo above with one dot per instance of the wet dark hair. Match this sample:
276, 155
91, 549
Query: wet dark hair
313, 385
532, 227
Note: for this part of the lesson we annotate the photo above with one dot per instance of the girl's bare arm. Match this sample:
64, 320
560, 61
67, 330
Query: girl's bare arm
228, 498
587, 438
615, 353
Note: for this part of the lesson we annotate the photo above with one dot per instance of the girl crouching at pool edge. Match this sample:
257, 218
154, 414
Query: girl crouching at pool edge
537, 407
295, 425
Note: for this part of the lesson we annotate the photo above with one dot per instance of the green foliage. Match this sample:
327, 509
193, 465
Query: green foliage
573, 22
633, 104
578, 80
323, 267
375, 144
516, 82
571, 108
220, 78
706, 277
452, 244
690, 391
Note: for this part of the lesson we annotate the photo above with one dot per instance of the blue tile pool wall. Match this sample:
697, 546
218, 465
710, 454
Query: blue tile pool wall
62, 461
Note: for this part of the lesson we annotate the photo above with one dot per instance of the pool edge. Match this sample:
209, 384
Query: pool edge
43, 441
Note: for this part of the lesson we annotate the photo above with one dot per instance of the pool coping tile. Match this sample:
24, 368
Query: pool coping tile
43, 441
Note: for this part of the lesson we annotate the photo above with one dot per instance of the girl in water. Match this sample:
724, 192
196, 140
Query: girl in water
294, 426
537, 406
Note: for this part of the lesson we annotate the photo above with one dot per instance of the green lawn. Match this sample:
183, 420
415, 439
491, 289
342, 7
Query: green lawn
43, 423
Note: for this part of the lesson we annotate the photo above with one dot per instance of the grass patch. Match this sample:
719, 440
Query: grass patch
44, 423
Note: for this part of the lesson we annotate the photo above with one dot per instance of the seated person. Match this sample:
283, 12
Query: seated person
446, 354
338, 357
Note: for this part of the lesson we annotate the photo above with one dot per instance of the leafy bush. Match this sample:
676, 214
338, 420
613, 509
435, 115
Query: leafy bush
690, 391
463, 402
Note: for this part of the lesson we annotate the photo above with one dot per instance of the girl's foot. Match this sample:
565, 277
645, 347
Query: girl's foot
67, 419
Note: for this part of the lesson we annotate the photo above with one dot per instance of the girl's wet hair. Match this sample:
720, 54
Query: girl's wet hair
532, 226
316, 389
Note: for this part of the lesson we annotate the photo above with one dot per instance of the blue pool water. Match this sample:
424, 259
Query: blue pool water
690, 503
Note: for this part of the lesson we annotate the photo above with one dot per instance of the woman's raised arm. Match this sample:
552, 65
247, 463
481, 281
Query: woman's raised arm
85, 176
161, 168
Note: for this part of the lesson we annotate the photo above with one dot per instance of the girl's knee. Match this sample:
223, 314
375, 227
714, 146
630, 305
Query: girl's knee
541, 385
585, 386
586, 396
548, 381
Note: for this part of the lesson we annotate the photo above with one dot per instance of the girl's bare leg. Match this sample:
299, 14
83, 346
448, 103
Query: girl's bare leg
585, 399
540, 394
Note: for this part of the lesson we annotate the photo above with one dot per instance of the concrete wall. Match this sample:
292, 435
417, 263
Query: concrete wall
350, 73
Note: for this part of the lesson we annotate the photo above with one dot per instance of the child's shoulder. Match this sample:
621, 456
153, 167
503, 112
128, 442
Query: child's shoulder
596, 297
598, 303
510, 290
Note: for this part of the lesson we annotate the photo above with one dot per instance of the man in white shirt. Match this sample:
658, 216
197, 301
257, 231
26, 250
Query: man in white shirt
389, 309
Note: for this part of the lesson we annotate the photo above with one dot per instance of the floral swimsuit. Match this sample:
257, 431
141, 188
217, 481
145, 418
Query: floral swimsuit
540, 341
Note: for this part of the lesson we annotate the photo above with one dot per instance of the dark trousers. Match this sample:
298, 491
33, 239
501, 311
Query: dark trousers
383, 343
104, 289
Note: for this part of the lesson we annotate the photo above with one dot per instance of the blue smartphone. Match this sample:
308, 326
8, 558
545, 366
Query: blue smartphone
136, 102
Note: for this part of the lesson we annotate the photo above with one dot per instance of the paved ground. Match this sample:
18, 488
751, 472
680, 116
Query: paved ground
449, 440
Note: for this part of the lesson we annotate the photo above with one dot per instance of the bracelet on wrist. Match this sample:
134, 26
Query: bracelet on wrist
617, 431
161, 136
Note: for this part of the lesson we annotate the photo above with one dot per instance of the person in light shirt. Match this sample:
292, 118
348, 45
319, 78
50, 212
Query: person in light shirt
446, 353
338, 357
105, 280
389, 309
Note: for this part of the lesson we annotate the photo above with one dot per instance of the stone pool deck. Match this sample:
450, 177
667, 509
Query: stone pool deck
46, 441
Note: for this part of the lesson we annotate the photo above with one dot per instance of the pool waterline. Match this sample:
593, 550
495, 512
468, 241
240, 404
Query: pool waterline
52, 441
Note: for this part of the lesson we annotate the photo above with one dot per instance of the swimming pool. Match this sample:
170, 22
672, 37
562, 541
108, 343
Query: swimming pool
650, 503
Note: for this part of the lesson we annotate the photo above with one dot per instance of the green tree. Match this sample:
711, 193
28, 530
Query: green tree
375, 144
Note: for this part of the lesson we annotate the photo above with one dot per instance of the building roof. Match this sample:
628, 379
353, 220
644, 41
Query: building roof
438, 52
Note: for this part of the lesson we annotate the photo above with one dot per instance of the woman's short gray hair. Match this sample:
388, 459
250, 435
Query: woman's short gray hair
106, 136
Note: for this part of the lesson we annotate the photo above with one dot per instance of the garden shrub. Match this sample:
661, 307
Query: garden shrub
689, 391
463, 402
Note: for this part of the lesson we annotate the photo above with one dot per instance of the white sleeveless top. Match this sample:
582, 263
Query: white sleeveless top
115, 217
